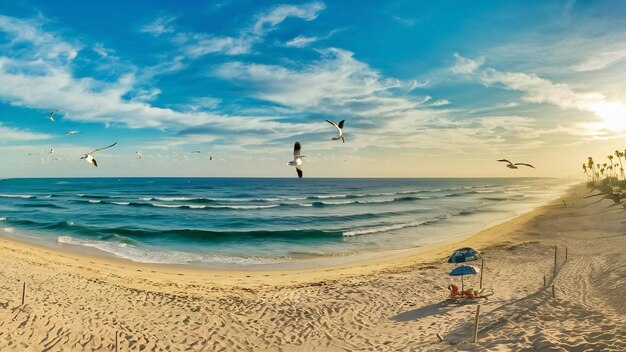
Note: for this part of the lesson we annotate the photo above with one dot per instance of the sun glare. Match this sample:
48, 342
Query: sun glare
613, 114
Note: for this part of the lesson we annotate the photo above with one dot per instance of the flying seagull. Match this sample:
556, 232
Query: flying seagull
89, 158
510, 165
72, 132
51, 116
340, 128
139, 154
297, 159
196, 151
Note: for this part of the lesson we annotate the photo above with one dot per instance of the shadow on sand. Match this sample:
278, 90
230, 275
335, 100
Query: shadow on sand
426, 311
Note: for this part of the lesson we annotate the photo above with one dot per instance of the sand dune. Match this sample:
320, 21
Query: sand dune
76, 302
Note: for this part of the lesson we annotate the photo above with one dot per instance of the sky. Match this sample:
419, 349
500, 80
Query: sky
427, 89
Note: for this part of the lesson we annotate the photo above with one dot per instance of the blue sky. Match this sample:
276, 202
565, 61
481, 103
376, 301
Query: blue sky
426, 89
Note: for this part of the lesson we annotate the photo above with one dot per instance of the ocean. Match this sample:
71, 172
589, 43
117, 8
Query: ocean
259, 222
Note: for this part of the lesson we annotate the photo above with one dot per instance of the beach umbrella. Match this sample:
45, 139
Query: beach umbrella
463, 255
467, 254
463, 270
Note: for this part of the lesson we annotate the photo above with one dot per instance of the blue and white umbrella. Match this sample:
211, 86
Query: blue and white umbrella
463, 270
463, 255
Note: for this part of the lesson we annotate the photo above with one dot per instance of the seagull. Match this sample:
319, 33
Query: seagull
51, 151
139, 154
210, 157
297, 159
340, 128
510, 165
51, 116
72, 132
89, 158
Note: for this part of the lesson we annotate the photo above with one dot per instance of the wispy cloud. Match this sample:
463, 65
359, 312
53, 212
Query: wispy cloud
29, 31
337, 83
31, 78
8, 134
601, 60
302, 41
196, 45
540, 90
407, 22
159, 26
267, 21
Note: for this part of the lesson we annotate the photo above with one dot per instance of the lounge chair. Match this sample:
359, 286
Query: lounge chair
469, 293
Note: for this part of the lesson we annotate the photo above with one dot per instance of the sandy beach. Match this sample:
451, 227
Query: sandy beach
77, 302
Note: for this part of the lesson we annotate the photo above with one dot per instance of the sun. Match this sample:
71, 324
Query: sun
613, 114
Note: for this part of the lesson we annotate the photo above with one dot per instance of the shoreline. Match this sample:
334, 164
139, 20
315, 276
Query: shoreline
373, 261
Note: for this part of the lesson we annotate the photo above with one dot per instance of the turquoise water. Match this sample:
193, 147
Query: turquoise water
257, 221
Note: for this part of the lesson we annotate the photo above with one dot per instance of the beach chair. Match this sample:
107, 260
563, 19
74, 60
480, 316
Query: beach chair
467, 294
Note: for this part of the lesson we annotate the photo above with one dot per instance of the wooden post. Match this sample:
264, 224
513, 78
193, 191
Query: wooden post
482, 264
116, 342
553, 292
555, 251
476, 324
565, 253
23, 292
544, 280
439, 337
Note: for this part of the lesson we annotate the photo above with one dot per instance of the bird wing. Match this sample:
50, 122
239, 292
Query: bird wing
94, 162
341, 124
506, 161
524, 164
296, 150
299, 171
112, 145
332, 123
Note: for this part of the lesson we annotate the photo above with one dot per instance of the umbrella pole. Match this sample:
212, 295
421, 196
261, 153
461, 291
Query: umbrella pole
482, 263
462, 286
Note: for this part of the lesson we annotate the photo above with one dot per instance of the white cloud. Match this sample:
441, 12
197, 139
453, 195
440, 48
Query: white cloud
267, 21
337, 83
466, 66
196, 45
407, 22
33, 79
159, 26
301, 41
99, 49
44, 44
8, 134
201, 103
440, 102
540, 90
600, 60
199, 44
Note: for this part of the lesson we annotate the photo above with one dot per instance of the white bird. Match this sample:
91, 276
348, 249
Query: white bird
51, 116
340, 128
139, 154
510, 165
89, 158
51, 151
72, 132
297, 159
